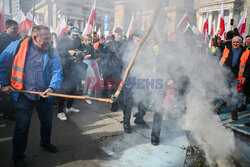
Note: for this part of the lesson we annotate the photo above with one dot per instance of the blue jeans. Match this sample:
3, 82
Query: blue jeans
24, 108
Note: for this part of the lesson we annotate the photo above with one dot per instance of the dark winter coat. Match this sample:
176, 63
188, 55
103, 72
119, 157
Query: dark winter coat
5, 40
72, 72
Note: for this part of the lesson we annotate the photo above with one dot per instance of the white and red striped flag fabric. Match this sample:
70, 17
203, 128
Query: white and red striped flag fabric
1, 17
205, 29
242, 24
88, 28
222, 23
213, 30
30, 17
22, 22
130, 28
183, 22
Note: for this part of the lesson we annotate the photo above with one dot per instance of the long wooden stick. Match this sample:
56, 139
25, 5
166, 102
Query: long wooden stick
67, 96
120, 87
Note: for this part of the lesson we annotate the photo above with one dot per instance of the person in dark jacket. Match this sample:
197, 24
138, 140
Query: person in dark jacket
71, 56
117, 49
11, 34
231, 60
229, 36
246, 76
126, 99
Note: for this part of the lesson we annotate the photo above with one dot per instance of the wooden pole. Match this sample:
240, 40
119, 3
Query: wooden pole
120, 87
66, 96
33, 19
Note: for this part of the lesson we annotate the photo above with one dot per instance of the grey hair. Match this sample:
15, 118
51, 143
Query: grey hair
236, 38
36, 29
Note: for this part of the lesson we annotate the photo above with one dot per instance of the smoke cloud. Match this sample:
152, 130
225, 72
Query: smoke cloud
186, 61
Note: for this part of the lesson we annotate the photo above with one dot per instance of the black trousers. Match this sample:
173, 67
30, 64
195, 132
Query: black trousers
126, 101
6, 105
69, 101
156, 128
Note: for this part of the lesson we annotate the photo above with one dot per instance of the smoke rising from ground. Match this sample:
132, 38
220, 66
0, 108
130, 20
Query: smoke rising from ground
185, 61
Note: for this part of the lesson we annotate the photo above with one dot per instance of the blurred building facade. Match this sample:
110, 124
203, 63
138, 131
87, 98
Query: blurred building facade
233, 9
24, 5
172, 13
75, 11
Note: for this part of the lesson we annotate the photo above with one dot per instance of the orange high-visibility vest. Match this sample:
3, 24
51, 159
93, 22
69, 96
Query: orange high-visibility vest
224, 56
96, 45
243, 61
17, 75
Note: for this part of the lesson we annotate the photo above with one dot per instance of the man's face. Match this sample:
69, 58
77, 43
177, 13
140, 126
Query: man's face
118, 36
12, 30
218, 40
95, 39
236, 43
247, 41
42, 39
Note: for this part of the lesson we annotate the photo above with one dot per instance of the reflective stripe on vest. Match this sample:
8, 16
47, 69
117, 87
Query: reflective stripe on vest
224, 56
17, 74
243, 61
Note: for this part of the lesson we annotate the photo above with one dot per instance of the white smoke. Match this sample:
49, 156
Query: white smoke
206, 83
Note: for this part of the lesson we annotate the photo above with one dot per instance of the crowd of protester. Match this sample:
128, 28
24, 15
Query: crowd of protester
81, 64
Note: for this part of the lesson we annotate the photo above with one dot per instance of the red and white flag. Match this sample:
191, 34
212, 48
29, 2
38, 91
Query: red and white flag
20, 17
131, 26
205, 25
242, 24
1, 17
88, 28
213, 30
222, 23
23, 23
183, 22
205, 29
62, 27
30, 17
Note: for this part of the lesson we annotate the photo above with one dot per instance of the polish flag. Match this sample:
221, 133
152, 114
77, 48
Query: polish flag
1, 17
212, 31
27, 23
205, 29
88, 28
205, 25
62, 27
23, 23
222, 23
242, 24
29, 16
183, 22
20, 17
130, 28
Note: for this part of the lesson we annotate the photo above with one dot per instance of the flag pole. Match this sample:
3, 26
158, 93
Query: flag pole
33, 19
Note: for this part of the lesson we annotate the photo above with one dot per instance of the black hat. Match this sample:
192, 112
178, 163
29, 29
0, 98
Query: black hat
118, 30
